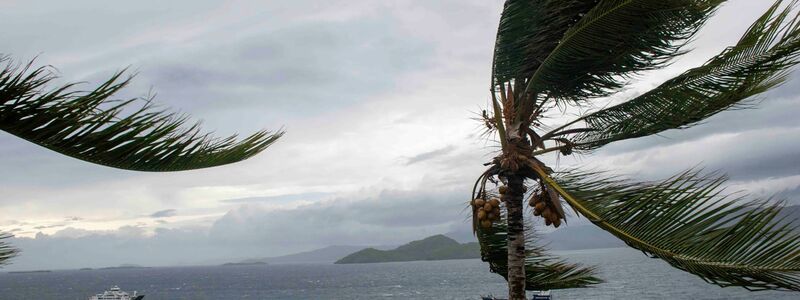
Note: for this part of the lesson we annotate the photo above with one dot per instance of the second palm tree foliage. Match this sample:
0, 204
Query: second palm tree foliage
96, 127
554, 53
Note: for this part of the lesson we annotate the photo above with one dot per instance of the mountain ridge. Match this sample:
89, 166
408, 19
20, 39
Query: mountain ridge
437, 247
327, 254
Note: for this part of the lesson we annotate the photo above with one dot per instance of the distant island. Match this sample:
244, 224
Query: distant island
326, 255
29, 272
437, 247
254, 263
124, 267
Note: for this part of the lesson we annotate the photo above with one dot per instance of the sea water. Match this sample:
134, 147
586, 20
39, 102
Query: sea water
628, 274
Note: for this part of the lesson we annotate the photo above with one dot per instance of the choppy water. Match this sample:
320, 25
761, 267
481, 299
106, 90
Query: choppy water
629, 275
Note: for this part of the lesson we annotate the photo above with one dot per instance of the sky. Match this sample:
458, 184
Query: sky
377, 99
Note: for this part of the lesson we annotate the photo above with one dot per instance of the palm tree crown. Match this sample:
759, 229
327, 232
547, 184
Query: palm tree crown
555, 53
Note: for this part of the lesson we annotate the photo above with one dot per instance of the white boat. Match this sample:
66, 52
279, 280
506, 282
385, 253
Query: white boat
542, 295
116, 294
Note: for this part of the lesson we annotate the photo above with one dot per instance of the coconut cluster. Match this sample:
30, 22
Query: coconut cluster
540, 201
487, 211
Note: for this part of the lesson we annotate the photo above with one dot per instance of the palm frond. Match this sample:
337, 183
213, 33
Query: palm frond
758, 62
614, 40
91, 126
688, 222
7, 252
529, 30
543, 271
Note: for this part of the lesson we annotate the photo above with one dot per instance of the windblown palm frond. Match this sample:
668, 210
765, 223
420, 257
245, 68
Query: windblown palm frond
688, 222
542, 270
616, 39
529, 30
6, 251
91, 126
757, 63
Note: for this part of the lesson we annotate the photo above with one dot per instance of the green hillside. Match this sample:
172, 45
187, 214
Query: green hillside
437, 247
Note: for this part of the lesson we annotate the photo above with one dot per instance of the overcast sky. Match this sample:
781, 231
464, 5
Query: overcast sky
376, 97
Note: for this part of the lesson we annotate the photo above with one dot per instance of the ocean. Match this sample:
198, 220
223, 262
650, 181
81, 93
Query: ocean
629, 275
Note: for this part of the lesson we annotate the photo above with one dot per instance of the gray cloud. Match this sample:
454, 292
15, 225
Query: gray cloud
299, 70
268, 75
391, 217
164, 213
371, 92
772, 111
430, 155
280, 199
388, 218
49, 226
74, 248
746, 155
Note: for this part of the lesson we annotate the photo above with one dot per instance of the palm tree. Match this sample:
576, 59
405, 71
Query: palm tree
559, 53
6, 251
93, 126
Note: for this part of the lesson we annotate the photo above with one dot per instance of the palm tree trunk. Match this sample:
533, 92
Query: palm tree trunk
516, 237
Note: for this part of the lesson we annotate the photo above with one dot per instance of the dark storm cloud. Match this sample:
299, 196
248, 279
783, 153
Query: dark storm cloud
759, 142
787, 195
775, 109
296, 72
398, 214
745, 155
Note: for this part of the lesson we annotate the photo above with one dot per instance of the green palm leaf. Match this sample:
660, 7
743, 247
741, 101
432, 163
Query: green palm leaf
6, 251
757, 63
688, 222
529, 30
91, 126
543, 271
614, 40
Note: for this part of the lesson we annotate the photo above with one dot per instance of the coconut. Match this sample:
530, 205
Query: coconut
479, 202
495, 202
486, 224
488, 207
549, 215
502, 189
557, 222
540, 206
545, 195
535, 198
481, 215
492, 216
